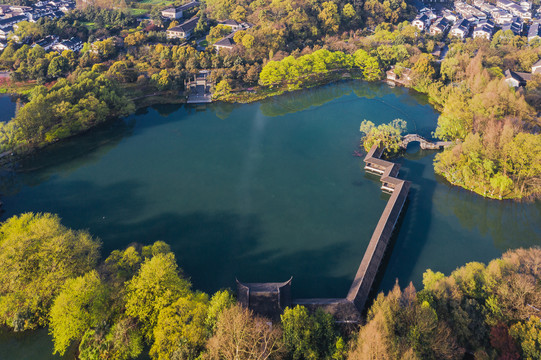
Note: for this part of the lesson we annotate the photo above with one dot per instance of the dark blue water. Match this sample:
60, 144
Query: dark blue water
7, 107
266, 191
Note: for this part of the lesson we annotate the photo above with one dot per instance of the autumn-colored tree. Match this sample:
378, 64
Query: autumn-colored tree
528, 335
503, 343
240, 335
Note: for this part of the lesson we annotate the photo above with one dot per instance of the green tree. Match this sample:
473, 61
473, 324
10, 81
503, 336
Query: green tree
308, 336
57, 67
222, 89
156, 286
37, 255
123, 264
387, 135
368, 64
180, 332
122, 341
220, 301
82, 304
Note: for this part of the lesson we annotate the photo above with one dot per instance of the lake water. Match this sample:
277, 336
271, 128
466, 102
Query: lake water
262, 192
7, 107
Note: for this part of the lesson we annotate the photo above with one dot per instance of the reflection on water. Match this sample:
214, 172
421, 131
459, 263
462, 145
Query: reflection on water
304, 99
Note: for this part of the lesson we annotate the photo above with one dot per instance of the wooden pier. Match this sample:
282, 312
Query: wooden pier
373, 256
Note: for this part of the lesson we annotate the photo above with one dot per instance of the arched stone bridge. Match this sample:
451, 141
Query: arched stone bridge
425, 144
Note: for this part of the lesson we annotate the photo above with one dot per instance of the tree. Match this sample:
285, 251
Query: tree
172, 24
222, 89
528, 335
348, 11
30, 30
180, 332
162, 80
41, 254
242, 336
82, 304
218, 32
503, 342
122, 341
220, 301
368, 64
57, 67
156, 286
308, 336
329, 17
386, 135
501, 183
239, 14
136, 38
248, 41
400, 326
123, 264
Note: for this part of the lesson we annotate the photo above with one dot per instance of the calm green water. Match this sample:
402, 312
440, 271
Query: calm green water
263, 192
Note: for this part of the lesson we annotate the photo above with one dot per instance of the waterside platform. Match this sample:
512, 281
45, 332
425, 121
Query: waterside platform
199, 88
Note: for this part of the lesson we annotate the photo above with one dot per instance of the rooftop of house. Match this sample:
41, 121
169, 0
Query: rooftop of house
537, 64
519, 76
462, 24
229, 22
186, 26
188, 6
226, 42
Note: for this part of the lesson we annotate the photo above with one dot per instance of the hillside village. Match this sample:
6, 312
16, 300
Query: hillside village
482, 19
184, 25
441, 20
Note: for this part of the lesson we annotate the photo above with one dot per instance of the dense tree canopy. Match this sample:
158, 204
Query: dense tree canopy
82, 304
37, 255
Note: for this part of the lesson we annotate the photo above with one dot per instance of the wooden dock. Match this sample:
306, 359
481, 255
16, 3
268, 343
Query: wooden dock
373, 256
